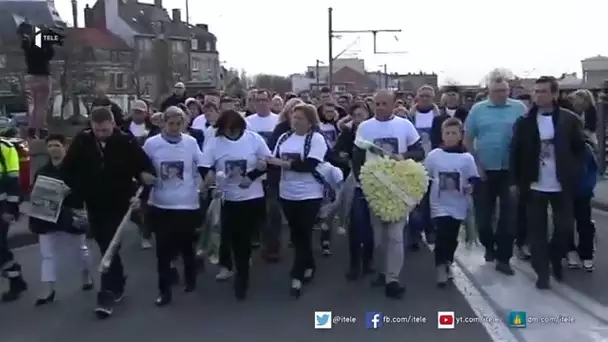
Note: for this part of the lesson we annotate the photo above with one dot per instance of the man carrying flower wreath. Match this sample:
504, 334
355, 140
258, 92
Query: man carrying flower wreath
397, 138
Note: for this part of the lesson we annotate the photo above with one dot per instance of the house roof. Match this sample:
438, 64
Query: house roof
144, 19
94, 37
598, 58
347, 74
13, 13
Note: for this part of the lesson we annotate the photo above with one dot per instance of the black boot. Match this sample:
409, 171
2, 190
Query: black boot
16, 286
241, 285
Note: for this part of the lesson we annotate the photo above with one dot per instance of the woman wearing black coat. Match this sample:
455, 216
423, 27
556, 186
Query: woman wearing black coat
68, 233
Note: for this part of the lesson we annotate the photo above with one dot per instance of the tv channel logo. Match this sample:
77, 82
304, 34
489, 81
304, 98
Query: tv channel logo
517, 319
323, 319
373, 320
445, 320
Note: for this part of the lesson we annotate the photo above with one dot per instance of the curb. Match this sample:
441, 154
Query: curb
22, 239
599, 205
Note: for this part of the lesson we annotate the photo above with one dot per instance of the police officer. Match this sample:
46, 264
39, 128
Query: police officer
9, 209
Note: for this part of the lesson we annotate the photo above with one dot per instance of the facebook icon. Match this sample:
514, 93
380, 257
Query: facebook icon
373, 320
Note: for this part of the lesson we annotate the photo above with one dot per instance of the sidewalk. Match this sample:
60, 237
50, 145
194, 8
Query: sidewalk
600, 201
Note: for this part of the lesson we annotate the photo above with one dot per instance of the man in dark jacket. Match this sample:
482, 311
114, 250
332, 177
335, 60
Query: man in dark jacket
179, 96
451, 108
546, 160
102, 100
99, 167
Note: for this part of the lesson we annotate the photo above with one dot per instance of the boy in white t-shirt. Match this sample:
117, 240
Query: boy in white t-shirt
453, 172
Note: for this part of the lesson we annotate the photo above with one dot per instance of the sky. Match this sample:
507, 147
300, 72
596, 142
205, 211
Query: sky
461, 41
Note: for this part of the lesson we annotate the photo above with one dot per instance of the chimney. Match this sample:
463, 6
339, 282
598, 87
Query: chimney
158, 3
203, 26
177, 15
88, 16
75, 12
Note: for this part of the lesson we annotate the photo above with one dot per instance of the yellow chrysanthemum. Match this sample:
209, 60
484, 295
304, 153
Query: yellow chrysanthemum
393, 188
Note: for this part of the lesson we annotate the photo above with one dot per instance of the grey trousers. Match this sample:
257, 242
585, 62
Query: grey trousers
388, 247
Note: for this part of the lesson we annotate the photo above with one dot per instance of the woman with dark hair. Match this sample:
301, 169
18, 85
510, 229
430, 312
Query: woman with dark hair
360, 234
237, 156
301, 188
173, 210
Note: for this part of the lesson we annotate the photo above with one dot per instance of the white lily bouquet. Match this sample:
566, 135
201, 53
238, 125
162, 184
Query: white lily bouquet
208, 245
392, 187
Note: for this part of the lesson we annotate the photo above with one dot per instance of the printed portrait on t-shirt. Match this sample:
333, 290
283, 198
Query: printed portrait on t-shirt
449, 181
235, 169
265, 135
546, 151
289, 156
331, 136
389, 144
172, 172
425, 139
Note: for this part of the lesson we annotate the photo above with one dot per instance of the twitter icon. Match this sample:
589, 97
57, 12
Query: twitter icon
322, 319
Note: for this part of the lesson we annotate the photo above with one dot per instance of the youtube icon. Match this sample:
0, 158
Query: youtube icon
445, 320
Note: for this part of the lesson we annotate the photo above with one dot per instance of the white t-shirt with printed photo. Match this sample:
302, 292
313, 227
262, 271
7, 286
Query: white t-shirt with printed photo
547, 173
330, 132
175, 164
235, 158
450, 173
199, 122
263, 125
297, 186
394, 135
423, 123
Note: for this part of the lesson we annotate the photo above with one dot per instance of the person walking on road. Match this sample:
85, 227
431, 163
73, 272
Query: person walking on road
547, 156
68, 233
173, 206
9, 204
100, 166
488, 131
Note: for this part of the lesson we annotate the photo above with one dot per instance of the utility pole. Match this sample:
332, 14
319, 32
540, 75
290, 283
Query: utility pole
385, 76
331, 33
187, 12
330, 59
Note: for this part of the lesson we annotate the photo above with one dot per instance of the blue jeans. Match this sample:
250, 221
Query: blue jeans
360, 232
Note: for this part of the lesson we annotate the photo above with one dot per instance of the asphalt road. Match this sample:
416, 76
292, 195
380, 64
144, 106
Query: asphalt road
212, 313
269, 314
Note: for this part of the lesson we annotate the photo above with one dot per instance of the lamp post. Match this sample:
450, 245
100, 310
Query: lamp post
317, 72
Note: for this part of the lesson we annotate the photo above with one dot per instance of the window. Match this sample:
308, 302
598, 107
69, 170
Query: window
178, 46
207, 46
2, 61
102, 55
114, 56
144, 44
118, 81
196, 65
194, 44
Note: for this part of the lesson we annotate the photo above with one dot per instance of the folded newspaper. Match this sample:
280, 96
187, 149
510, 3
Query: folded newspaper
46, 199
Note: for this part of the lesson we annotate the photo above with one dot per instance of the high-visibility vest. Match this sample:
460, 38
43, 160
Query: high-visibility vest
10, 190
24, 164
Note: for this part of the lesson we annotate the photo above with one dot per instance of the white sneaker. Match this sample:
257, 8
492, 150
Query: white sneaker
224, 274
573, 260
146, 244
588, 265
449, 272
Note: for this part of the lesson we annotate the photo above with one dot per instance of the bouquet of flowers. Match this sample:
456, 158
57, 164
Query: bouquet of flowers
392, 187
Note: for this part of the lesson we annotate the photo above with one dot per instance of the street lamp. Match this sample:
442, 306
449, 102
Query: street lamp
317, 72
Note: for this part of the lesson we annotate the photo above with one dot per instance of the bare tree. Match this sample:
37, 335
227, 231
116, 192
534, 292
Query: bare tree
497, 73
276, 83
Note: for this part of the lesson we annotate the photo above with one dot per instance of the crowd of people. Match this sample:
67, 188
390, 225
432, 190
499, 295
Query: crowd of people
280, 157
